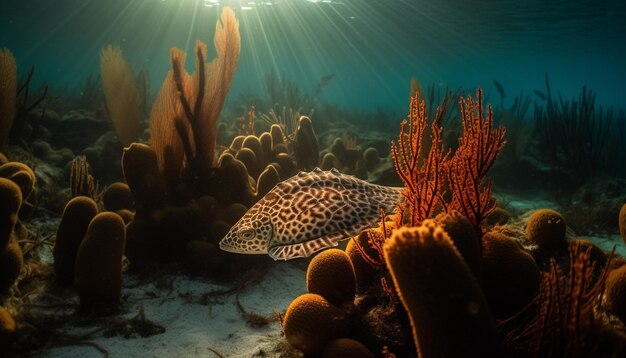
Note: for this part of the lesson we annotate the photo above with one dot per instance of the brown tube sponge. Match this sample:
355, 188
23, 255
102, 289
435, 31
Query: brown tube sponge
11, 262
510, 276
139, 164
10, 202
448, 312
306, 148
98, 274
7, 331
462, 233
118, 196
311, 322
20, 174
76, 217
331, 275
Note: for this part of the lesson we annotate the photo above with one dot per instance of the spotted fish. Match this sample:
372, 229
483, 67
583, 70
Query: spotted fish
309, 212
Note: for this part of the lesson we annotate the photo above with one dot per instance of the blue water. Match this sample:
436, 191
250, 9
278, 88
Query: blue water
371, 47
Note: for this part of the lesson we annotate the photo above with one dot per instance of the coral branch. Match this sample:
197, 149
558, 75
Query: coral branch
422, 176
479, 146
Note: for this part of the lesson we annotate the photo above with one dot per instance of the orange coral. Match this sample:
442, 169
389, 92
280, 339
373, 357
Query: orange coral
479, 146
423, 177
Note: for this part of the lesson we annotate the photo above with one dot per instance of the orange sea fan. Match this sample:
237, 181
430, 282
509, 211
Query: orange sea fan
120, 94
423, 177
479, 146
183, 120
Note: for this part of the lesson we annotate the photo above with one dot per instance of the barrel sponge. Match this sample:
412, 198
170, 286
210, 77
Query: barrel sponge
10, 202
118, 196
346, 348
20, 174
510, 275
622, 222
546, 228
447, 310
98, 274
464, 236
11, 262
306, 148
331, 275
141, 170
7, 330
311, 322
615, 293
76, 217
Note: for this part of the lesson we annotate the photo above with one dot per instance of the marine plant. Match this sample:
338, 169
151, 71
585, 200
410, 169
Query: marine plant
577, 135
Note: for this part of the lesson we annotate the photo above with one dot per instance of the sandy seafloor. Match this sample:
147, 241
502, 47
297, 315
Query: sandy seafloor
194, 326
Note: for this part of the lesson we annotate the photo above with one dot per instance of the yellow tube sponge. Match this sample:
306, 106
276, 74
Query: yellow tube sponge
10, 202
447, 310
98, 270
76, 217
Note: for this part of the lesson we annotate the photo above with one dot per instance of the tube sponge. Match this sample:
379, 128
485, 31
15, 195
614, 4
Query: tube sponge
98, 269
462, 233
447, 310
76, 217
331, 275
7, 330
306, 148
118, 196
10, 202
311, 322
20, 174
11, 262
510, 276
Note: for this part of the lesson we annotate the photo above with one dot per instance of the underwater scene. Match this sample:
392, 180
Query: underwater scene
312, 178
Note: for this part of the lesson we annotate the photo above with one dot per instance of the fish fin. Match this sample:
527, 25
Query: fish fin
307, 248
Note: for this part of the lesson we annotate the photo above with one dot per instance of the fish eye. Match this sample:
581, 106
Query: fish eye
247, 234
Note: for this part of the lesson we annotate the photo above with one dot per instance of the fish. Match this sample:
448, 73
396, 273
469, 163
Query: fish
309, 212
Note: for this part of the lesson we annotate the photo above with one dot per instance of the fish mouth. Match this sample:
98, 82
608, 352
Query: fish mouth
228, 248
